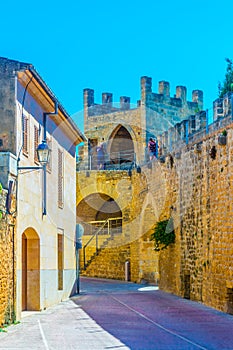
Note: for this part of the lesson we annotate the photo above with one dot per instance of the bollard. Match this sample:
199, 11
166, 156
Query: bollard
127, 271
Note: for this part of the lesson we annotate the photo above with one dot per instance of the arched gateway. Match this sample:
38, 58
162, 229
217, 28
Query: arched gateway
121, 146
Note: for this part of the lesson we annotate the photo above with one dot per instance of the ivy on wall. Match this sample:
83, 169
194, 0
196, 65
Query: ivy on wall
163, 234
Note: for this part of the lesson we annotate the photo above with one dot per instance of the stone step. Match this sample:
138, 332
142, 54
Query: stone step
110, 261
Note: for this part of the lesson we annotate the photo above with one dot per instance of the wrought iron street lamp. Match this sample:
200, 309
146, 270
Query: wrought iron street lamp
43, 153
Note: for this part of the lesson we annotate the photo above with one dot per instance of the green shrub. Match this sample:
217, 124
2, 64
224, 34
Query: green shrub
227, 85
224, 133
163, 234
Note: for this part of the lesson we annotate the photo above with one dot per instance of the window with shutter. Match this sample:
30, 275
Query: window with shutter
25, 125
36, 143
60, 178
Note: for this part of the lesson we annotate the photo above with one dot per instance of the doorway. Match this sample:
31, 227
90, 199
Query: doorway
30, 270
122, 147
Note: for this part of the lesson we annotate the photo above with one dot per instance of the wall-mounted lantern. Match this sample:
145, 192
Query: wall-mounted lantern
43, 153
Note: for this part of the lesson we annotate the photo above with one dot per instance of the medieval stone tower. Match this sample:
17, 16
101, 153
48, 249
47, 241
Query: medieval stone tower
114, 204
126, 130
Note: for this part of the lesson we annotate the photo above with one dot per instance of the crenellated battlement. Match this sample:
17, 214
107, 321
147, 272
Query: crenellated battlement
163, 95
93, 109
196, 128
153, 100
172, 109
174, 121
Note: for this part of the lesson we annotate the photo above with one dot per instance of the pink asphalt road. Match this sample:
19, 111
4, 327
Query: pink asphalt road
145, 318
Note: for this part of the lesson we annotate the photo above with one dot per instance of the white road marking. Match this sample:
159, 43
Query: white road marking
158, 325
149, 288
43, 336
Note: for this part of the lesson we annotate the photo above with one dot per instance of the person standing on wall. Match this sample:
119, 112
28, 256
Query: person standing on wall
101, 154
152, 148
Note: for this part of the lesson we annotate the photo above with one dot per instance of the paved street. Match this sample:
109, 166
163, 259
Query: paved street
118, 315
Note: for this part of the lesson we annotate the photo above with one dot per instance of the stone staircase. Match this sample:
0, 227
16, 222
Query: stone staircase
91, 251
109, 260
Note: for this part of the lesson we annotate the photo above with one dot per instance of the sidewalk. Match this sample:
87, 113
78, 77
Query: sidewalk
63, 327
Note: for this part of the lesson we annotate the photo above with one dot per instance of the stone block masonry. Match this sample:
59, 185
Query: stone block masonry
199, 266
7, 264
133, 243
190, 181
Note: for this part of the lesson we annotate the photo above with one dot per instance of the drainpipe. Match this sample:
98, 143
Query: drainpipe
47, 114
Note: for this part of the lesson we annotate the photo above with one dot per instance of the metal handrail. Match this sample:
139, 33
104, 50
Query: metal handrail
96, 233
113, 160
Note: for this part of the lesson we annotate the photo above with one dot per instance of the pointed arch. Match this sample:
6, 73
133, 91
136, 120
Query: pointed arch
121, 149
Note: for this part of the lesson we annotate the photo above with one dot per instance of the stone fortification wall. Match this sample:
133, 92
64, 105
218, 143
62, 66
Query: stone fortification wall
197, 173
192, 182
7, 265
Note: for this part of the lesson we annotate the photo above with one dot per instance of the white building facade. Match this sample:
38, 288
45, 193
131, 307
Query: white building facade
45, 210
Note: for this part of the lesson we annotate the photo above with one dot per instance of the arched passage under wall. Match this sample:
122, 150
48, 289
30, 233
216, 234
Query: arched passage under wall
121, 146
97, 208
30, 270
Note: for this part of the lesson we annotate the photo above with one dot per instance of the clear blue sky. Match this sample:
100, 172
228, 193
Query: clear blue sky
109, 45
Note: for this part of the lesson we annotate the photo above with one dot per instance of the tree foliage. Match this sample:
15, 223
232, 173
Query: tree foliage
227, 84
163, 234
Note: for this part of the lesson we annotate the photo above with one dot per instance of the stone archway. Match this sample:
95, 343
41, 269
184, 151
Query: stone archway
121, 146
99, 207
101, 218
30, 270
